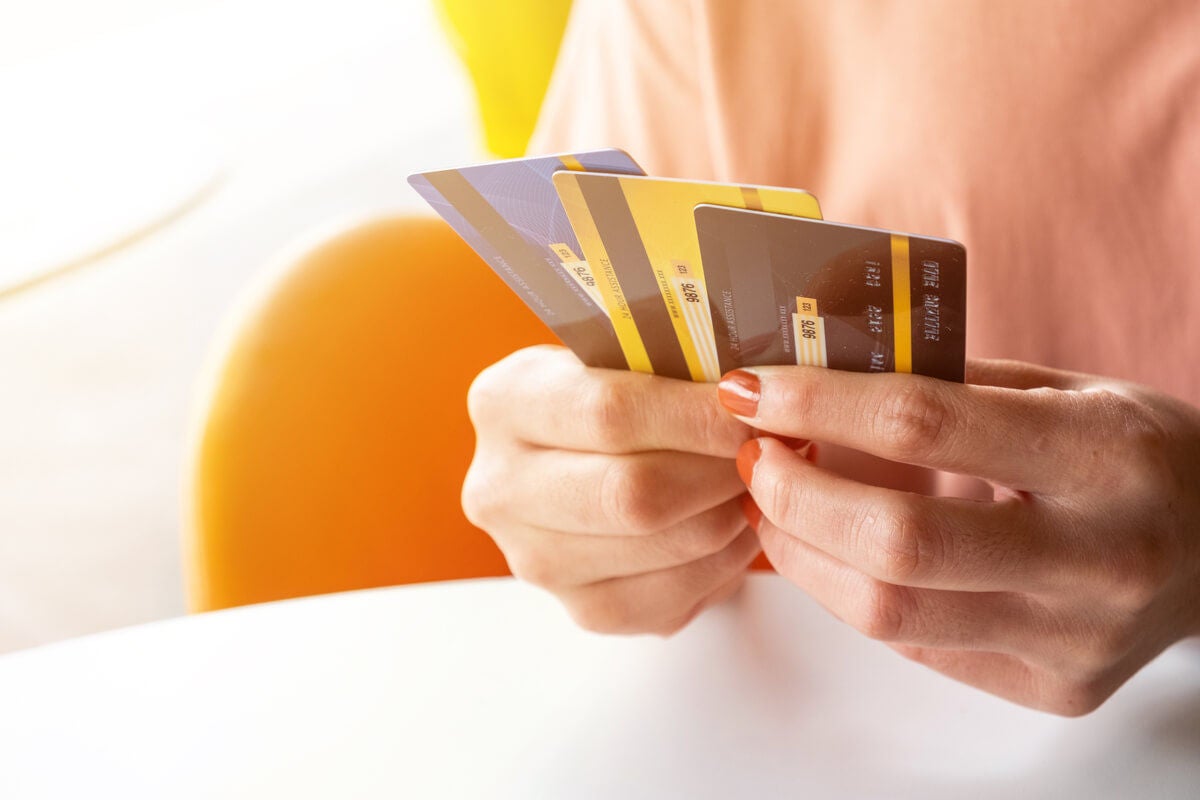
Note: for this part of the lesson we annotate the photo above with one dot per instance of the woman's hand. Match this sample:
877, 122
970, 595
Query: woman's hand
1084, 566
616, 491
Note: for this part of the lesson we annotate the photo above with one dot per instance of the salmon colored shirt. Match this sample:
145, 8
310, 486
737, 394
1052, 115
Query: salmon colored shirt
1059, 140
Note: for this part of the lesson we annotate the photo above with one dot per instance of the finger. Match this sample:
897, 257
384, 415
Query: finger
545, 396
557, 561
1004, 435
1015, 639
992, 621
658, 602
636, 494
900, 537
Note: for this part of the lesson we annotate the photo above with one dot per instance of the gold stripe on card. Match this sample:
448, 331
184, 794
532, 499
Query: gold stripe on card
572, 163
901, 303
751, 198
702, 347
810, 351
822, 346
798, 341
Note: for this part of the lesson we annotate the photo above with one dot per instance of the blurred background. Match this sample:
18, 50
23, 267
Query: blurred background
154, 156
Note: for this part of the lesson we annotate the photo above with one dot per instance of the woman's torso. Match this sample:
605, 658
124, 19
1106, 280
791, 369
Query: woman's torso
1059, 141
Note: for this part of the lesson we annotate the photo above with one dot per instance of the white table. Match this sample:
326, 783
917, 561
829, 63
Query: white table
485, 689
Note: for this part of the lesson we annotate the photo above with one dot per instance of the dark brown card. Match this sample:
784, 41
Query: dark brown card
790, 290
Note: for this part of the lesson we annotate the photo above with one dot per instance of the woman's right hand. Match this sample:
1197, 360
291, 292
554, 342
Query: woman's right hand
614, 490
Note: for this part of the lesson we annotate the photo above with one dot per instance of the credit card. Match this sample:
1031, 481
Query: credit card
510, 214
788, 290
640, 236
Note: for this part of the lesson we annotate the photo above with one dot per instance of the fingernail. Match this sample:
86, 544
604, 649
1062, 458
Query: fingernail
747, 457
752, 511
793, 443
739, 391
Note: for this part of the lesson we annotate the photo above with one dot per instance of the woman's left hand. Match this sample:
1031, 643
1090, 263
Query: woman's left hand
1082, 568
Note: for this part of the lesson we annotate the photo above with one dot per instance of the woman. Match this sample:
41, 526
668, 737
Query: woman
1036, 532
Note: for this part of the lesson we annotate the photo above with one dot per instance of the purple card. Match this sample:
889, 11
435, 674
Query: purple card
510, 214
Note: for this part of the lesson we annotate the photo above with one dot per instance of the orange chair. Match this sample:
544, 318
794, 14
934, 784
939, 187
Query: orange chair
333, 434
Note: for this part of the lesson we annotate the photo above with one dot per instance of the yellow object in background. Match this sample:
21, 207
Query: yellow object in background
509, 48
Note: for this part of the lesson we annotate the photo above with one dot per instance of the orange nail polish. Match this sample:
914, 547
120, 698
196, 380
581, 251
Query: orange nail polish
739, 392
747, 457
752, 511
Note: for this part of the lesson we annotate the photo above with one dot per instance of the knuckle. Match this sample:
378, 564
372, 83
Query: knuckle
779, 498
481, 502
802, 399
721, 431
1134, 430
915, 420
533, 568
628, 492
1092, 652
784, 552
671, 627
713, 538
1152, 475
602, 612
486, 392
1145, 565
1041, 441
1106, 648
1077, 698
894, 533
700, 539
1149, 442
1118, 408
880, 612
606, 408
490, 395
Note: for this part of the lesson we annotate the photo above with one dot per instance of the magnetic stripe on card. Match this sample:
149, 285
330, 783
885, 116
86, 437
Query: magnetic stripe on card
609, 287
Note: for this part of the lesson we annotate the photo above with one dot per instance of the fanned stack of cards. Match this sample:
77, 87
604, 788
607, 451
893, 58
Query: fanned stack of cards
691, 279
